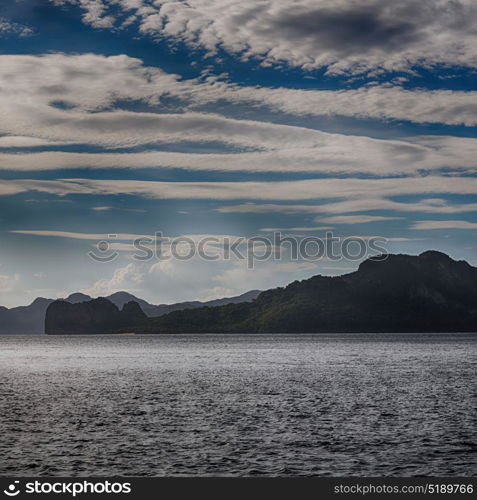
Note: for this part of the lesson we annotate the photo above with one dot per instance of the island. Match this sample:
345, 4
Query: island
430, 292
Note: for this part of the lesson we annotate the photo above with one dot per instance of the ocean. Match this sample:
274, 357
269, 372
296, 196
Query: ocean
238, 405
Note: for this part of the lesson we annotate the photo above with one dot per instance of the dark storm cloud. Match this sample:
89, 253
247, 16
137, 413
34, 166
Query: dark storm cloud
348, 31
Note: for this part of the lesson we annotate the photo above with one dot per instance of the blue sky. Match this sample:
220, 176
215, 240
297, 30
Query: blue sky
229, 118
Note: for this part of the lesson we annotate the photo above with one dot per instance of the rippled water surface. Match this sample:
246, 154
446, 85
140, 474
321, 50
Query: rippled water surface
238, 405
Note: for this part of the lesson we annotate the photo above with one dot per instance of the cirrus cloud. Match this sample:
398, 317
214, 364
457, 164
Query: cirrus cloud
443, 224
355, 189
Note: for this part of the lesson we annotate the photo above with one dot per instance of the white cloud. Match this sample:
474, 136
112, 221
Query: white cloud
355, 219
57, 107
444, 224
9, 141
377, 102
429, 205
213, 245
82, 236
308, 189
11, 28
346, 36
86, 81
72, 97
94, 12
115, 236
340, 196
9, 188
355, 205
127, 278
294, 229
172, 279
290, 149
8, 282
65, 91
280, 190
102, 209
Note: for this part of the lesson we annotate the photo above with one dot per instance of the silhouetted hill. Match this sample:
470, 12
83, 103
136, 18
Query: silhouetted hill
119, 299
167, 308
399, 293
31, 319
94, 317
76, 298
24, 319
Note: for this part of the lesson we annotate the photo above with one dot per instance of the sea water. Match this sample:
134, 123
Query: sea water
234, 405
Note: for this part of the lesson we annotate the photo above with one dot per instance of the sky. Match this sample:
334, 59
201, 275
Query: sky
230, 119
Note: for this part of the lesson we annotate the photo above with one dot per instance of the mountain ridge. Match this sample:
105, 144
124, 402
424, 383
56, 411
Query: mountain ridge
429, 292
30, 319
392, 293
